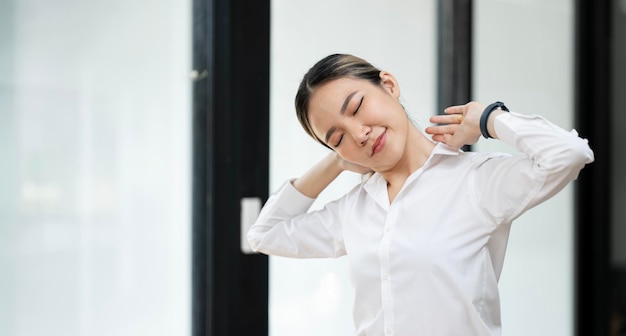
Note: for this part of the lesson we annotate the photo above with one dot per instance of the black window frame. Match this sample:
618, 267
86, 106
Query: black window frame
230, 161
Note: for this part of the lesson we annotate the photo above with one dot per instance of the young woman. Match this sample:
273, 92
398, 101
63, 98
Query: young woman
426, 233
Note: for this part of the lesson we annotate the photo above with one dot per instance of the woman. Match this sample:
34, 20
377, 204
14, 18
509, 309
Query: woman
426, 233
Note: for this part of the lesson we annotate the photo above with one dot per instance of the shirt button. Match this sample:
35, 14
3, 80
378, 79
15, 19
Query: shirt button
388, 331
387, 229
385, 276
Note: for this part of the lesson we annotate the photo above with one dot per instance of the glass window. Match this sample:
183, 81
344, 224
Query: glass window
523, 55
95, 173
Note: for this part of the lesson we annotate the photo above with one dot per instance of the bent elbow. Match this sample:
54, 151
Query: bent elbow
254, 240
580, 154
571, 159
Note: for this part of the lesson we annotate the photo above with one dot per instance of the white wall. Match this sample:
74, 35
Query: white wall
523, 56
95, 173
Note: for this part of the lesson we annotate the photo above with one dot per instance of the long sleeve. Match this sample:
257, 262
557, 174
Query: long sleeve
550, 158
284, 228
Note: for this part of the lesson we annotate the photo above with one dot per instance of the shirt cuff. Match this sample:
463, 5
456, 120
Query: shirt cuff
292, 201
506, 124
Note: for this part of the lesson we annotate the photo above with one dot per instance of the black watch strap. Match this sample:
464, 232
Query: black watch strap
485, 116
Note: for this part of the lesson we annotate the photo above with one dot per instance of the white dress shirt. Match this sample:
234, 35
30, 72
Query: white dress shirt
429, 262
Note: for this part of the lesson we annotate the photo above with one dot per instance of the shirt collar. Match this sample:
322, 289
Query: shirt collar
443, 149
376, 183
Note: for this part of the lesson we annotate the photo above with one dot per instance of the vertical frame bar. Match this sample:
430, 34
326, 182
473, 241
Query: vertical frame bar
592, 198
454, 45
202, 168
231, 161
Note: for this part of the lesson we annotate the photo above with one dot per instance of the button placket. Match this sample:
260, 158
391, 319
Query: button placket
385, 271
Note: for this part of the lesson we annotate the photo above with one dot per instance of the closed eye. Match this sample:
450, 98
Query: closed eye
358, 106
339, 141
356, 110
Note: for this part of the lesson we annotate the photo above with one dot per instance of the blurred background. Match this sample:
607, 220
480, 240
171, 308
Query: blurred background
95, 175
132, 133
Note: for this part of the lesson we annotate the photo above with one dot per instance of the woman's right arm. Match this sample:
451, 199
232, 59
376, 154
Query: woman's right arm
319, 176
323, 173
285, 228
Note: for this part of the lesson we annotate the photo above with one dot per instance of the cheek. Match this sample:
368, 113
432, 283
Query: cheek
350, 153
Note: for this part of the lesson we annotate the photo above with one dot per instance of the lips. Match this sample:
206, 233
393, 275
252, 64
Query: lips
379, 143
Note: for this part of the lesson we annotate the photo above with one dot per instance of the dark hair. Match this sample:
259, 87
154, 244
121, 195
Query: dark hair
329, 68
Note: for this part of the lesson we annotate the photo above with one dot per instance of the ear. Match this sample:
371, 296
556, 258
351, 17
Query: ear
390, 84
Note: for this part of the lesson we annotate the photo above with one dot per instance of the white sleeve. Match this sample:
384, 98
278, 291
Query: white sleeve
284, 228
507, 186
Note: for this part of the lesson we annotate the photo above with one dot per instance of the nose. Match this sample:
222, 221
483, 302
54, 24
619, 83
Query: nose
362, 134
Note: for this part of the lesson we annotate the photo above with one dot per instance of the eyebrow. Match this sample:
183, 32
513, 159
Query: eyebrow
345, 102
342, 111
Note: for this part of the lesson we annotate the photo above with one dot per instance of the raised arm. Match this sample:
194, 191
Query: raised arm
284, 227
461, 124
506, 186
323, 173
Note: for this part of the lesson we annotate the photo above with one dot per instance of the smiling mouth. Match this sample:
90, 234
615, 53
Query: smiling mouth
379, 143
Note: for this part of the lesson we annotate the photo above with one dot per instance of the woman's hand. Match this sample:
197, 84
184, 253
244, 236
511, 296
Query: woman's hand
459, 126
318, 177
351, 166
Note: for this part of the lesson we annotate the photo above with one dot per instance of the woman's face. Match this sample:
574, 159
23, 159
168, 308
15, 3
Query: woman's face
364, 123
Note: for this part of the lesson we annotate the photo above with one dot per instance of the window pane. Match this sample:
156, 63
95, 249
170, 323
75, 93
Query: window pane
526, 60
95, 175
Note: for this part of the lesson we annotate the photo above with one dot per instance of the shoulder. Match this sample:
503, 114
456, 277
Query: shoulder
464, 160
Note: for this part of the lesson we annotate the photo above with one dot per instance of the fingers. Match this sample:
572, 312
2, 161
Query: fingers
444, 133
448, 139
458, 126
442, 129
447, 119
453, 135
471, 107
456, 114
453, 115
441, 137
456, 109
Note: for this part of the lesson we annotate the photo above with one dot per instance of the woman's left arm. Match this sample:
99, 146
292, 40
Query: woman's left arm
508, 186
